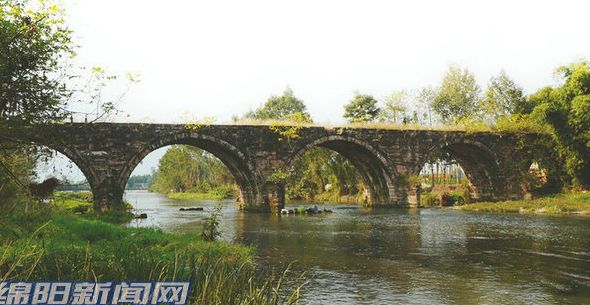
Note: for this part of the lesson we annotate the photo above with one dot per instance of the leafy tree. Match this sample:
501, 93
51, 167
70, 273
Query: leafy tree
503, 97
394, 106
566, 109
458, 96
425, 98
362, 108
37, 84
34, 45
278, 107
319, 168
189, 169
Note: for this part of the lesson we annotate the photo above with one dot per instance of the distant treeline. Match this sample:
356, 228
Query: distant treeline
140, 182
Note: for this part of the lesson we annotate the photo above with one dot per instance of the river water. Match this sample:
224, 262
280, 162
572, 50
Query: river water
399, 256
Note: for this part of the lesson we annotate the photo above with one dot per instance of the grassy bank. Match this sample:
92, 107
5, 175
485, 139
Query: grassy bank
77, 202
570, 203
219, 193
329, 199
196, 196
59, 245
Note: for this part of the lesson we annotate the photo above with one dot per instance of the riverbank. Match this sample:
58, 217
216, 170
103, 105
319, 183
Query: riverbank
327, 200
51, 243
569, 203
197, 196
218, 193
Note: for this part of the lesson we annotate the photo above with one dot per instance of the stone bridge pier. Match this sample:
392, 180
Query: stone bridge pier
260, 159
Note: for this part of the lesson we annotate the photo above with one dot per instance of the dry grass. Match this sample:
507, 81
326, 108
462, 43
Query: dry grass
459, 127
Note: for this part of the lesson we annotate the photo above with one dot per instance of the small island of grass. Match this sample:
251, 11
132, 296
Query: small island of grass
569, 203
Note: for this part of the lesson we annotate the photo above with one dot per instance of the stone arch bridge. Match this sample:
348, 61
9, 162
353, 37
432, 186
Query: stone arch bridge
107, 153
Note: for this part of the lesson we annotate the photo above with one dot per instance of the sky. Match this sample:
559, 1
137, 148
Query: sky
200, 59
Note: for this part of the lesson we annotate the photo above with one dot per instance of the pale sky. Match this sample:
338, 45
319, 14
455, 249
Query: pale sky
219, 58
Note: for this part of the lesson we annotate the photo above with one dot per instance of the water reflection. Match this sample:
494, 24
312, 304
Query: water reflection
426, 256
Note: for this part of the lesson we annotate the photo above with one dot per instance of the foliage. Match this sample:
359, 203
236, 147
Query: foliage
362, 108
35, 43
189, 169
139, 182
288, 127
321, 173
196, 124
395, 107
458, 96
16, 168
280, 107
211, 230
424, 99
442, 198
503, 98
279, 176
566, 111
429, 199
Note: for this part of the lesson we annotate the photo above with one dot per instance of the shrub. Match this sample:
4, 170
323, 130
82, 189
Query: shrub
211, 225
442, 199
429, 199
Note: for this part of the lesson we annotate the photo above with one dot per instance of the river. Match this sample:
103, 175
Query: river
399, 256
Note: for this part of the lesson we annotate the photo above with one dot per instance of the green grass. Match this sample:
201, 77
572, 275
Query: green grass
569, 203
195, 196
57, 245
81, 203
214, 194
77, 202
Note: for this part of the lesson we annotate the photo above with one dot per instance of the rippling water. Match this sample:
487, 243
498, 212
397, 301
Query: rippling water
420, 256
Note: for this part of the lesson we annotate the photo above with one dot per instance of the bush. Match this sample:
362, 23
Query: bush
452, 198
429, 199
224, 192
442, 199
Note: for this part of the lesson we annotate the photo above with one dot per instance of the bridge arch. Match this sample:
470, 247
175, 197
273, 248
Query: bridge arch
74, 156
236, 161
371, 164
479, 163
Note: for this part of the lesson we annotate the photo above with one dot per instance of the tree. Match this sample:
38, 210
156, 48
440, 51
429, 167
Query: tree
34, 45
503, 97
394, 106
189, 169
37, 84
362, 108
458, 96
425, 98
566, 109
278, 107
